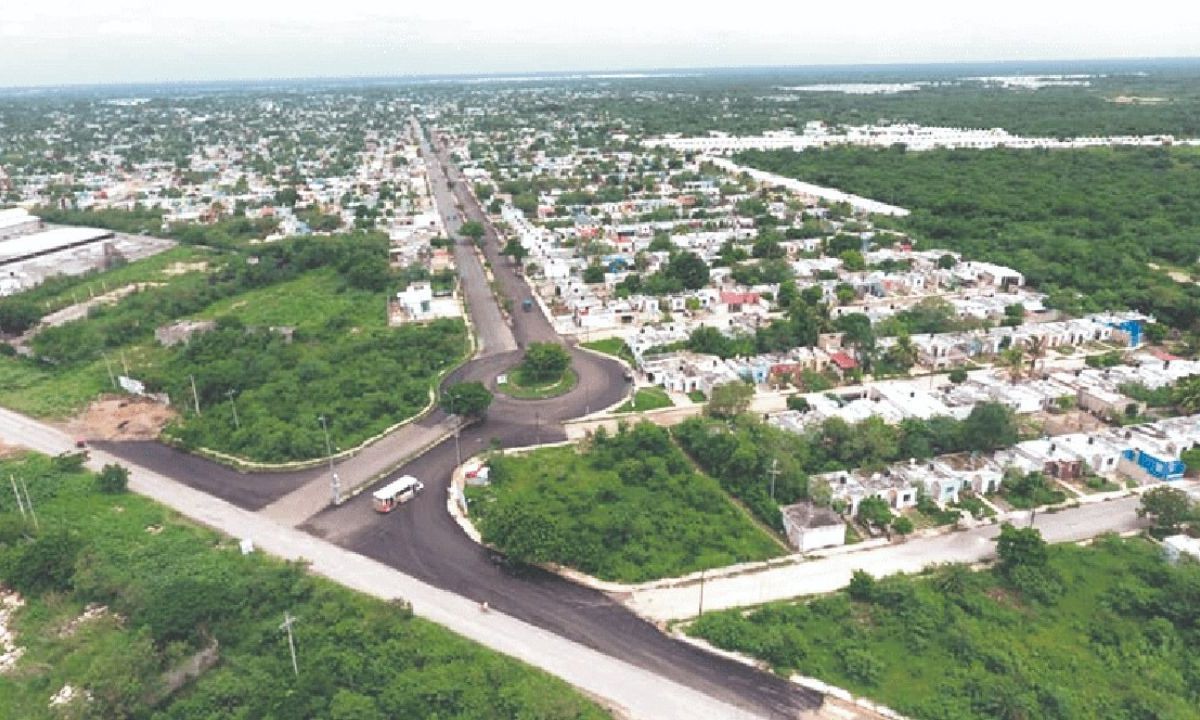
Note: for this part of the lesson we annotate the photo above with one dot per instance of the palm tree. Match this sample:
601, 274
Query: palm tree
1186, 394
1035, 347
1014, 360
904, 353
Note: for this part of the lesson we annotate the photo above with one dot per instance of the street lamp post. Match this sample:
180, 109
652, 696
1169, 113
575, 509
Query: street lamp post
334, 481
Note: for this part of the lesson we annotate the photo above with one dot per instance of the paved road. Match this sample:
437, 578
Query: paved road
626, 686
493, 333
832, 573
422, 541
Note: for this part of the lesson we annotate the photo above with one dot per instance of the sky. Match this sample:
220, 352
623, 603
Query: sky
54, 42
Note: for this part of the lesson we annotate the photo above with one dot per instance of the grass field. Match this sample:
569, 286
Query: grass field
647, 399
310, 303
629, 507
957, 645
615, 347
172, 587
56, 394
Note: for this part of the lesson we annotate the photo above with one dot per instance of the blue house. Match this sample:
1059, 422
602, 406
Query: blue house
1150, 466
1131, 327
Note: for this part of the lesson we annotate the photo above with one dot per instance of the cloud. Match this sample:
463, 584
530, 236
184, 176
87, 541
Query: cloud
124, 28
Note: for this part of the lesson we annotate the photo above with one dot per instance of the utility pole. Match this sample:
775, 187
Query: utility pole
111, 378
774, 473
29, 502
124, 364
236, 423
700, 610
195, 395
288, 622
17, 493
335, 483
537, 428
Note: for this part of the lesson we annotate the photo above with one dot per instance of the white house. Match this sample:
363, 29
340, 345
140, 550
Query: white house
810, 527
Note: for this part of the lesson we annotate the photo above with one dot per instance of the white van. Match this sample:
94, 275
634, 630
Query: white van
396, 492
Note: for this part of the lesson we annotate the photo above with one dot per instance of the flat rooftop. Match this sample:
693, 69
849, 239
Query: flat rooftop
47, 242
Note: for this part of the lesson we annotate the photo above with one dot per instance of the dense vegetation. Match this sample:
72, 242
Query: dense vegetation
228, 232
175, 588
301, 332
1061, 633
740, 453
628, 507
1083, 226
362, 383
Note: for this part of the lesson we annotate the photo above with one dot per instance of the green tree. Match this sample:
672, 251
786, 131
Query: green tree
472, 229
958, 376
18, 315
1021, 548
875, 512
113, 479
515, 250
689, 269
862, 586
1167, 507
1186, 394
593, 274
730, 399
46, 564
1013, 359
853, 261
544, 362
902, 525
468, 399
989, 427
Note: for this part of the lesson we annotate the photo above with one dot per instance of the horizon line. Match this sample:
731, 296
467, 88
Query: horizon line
583, 74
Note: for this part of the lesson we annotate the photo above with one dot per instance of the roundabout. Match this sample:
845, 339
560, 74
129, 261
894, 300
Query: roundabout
515, 386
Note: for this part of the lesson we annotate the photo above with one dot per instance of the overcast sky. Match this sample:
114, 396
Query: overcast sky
74, 41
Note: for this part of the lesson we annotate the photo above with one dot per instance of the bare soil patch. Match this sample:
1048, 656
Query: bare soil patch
122, 418
180, 268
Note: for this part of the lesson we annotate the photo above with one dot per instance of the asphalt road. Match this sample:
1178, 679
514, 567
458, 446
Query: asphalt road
422, 540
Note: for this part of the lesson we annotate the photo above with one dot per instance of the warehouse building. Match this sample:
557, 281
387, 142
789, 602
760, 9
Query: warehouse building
16, 222
49, 242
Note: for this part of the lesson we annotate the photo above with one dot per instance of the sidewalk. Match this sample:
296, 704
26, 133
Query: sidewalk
832, 573
372, 462
635, 692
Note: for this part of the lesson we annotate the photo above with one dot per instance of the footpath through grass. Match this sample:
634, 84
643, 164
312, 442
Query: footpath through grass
1117, 641
173, 588
627, 507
